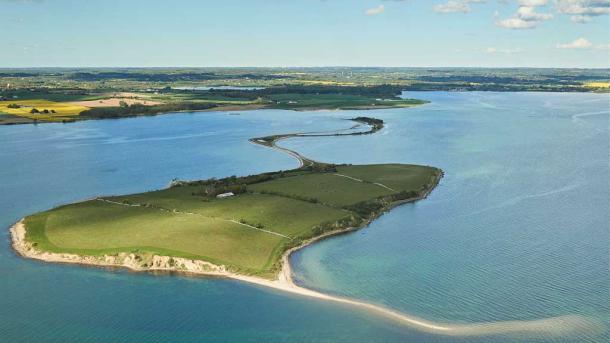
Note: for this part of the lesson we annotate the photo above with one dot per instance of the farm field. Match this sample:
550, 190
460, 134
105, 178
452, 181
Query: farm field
336, 101
47, 110
247, 232
107, 105
326, 188
401, 177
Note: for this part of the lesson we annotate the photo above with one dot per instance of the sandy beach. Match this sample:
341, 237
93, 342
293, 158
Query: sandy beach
556, 326
560, 326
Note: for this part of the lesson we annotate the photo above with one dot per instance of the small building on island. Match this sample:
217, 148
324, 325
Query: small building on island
225, 195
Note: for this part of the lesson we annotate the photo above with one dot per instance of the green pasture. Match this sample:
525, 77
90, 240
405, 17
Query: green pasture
247, 232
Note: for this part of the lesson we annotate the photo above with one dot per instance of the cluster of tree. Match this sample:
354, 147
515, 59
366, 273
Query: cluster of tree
366, 209
256, 225
318, 167
246, 180
524, 79
345, 223
139, 109
493, 87
292, 196
377, 124
37, 111
13, 106
219, 187
381, 91
267, 140
371, 208
18, 74
167, 77
405, 195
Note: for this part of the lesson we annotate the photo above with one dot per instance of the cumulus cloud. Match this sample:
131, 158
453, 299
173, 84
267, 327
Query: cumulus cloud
582, 11
375, 10
532, 3
453, 6
580, 43
528, 13
526, 17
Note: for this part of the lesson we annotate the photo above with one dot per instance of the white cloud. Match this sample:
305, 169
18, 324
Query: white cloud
453, 6
526, 16
582, 11
529, 14
491, 50
580, 43
516, 23
375, 10
532, 3
580, 19
603, 47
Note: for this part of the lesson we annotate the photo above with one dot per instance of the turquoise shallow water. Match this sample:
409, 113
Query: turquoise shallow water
518, 228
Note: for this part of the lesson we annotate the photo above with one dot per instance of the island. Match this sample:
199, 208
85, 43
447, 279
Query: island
244, 225
246, 228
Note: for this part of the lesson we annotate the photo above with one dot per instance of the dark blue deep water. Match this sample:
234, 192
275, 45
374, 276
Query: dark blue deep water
518, 229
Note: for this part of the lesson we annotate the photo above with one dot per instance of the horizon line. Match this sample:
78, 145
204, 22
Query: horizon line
297, 67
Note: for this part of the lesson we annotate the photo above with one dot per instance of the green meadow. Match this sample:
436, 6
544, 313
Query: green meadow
247, 232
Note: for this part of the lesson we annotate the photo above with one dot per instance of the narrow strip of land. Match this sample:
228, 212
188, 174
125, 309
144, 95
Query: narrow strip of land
306, 187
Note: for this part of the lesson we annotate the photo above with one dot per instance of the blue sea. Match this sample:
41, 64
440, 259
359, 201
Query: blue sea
518, 228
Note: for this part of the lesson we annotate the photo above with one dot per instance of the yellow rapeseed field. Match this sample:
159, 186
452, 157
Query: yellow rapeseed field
58, 111
598, 84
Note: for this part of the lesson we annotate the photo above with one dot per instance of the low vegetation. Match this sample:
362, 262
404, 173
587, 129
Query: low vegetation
42, 110
142, 110
167, 100
163, 90
247, 232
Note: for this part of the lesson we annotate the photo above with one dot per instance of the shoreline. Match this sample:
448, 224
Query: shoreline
227, 108
554, 327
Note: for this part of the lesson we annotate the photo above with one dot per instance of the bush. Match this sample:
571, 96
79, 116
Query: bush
139, 109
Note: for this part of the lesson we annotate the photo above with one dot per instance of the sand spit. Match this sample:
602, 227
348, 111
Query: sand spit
556, 326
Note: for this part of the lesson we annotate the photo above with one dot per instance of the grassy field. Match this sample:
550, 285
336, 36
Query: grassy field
326, 188
56, 104
247, 232
598, 85
401, 177
57, 111
336, 101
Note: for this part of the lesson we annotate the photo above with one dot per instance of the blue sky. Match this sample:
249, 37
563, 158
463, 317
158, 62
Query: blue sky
418, 33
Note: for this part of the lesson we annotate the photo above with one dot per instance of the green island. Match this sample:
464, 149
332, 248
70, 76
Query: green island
246, 228
237, 225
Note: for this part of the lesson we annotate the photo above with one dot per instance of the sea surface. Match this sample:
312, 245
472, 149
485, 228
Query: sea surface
517, 230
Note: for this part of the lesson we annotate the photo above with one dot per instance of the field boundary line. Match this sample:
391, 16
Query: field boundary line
193, 214
375, 183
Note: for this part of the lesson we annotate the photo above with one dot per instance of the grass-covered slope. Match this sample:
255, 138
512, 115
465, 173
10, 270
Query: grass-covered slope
248, 232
